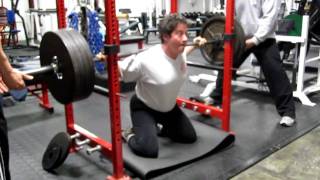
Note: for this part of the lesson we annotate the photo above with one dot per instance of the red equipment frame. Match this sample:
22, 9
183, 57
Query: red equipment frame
224, 113
112, 150
44, 97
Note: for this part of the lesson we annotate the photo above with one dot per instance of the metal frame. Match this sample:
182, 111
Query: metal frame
112, 150
224, 113
300, 92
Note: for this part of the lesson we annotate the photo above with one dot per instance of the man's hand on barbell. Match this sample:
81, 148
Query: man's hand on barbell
199, 41
14, 79
101, 57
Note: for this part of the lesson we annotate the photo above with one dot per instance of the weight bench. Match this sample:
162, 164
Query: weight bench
132, 39
11, 32
132, 25
300, 62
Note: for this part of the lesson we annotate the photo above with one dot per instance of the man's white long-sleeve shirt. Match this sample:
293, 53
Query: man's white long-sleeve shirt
159, 78
258, 18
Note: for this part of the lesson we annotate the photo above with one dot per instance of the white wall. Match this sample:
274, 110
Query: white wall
49, 21
22, 7
191, 5
137, 7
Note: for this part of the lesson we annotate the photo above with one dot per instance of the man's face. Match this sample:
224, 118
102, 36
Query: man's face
178, 38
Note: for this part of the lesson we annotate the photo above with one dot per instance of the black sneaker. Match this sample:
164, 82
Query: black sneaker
127, 134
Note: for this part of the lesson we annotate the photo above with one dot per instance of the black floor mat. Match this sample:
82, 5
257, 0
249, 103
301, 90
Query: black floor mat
253, 120
173, 155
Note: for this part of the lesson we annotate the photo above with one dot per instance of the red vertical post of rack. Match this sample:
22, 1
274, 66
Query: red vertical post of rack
228, 59
61, 15
173, 6
112, 38
45, 103
45, 97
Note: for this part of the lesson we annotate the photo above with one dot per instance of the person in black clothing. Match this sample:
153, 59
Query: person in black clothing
155, 100
259, 25
9, 79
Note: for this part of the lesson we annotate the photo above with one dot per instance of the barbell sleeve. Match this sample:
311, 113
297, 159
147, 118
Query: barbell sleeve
40, 71
67, 66
214, 41
123, 55
208, 66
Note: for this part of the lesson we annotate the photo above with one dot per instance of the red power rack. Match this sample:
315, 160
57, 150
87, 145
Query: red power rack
224, 113
112, 150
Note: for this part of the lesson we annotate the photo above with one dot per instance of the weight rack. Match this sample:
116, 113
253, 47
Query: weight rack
113, 150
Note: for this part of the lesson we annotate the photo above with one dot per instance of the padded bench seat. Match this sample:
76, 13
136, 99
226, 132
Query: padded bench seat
132, 39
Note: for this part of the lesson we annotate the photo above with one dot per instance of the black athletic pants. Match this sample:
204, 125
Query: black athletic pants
4, 147
268, 56
176, 126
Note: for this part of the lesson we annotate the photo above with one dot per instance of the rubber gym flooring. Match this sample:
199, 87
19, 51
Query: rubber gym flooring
253, 120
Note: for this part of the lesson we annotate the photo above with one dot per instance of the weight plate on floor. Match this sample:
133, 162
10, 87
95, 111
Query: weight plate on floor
56, 152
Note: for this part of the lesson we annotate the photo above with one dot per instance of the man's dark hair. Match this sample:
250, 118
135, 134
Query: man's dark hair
169, 23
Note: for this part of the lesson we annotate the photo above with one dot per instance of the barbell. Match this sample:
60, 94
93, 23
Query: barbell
213, 50
67, 62
66, 66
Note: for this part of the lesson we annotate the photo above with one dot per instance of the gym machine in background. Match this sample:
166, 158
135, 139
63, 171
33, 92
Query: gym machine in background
67, 141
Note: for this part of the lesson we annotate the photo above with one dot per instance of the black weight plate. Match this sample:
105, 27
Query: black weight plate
87, 69
240, 39
70, 64
52, 44
51, 157
83, 67
74, 49
65, 144
56, 152
86, 75
214, 53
